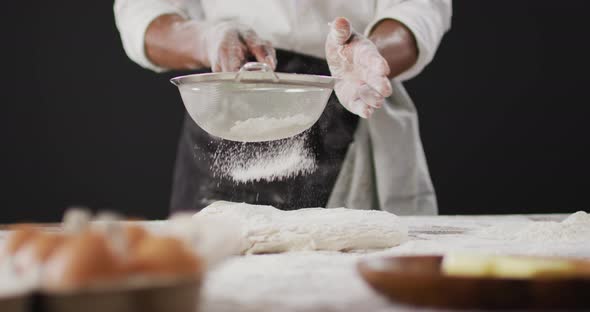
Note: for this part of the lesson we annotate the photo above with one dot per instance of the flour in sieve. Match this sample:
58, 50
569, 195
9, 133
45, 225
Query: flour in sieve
268, 161
266, 128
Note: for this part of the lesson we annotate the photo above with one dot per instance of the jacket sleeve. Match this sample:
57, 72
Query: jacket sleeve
428, 20
133, 18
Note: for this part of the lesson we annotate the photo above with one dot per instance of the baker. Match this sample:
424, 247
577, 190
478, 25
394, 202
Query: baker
366, 143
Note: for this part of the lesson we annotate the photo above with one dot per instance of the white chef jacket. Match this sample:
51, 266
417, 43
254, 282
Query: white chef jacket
294, 25
390, 139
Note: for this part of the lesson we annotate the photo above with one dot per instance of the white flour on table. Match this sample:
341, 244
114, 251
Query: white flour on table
328, 281
303, 281
575, 228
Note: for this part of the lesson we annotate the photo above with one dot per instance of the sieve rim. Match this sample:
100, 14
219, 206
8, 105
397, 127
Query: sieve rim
286, 79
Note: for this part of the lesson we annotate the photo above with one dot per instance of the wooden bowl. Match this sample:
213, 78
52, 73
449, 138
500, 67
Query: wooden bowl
418, 280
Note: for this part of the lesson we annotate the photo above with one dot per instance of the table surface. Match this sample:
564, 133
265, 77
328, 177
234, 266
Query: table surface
328, 281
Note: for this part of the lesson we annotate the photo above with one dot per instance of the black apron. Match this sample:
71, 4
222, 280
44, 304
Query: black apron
195, 185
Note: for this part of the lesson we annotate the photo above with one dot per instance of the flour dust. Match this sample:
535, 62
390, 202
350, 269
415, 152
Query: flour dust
264, 161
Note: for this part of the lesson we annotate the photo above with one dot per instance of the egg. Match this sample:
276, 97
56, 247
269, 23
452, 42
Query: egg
37, 251
21, 235
82, 260
134, 235
46, 244
161, 255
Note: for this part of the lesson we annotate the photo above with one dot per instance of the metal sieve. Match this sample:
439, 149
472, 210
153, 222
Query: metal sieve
254, 104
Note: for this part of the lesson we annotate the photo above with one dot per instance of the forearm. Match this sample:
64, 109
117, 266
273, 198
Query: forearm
169, 44
397, 45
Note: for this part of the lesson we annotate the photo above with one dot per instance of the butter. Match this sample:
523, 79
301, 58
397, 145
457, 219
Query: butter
477, 265
515, 267
467, 265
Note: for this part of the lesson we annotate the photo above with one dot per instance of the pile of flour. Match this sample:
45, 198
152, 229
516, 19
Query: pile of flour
268, 161
575, 228
269, 128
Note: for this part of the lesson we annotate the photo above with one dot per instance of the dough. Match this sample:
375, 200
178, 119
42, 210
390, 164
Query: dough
265, 229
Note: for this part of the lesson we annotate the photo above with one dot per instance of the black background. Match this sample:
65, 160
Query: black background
503, 111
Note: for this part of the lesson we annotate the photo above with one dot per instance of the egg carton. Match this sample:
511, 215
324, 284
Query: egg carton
179, 295
145, 283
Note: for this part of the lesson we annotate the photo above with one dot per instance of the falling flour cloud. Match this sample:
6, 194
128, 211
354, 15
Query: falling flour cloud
268, 161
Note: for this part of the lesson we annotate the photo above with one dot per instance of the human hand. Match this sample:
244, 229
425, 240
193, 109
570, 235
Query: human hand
173, 42
225, 46
362, 84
